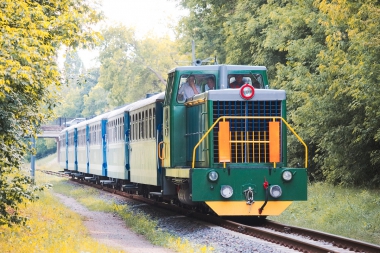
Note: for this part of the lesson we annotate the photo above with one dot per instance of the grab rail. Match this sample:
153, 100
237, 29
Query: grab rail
248, 117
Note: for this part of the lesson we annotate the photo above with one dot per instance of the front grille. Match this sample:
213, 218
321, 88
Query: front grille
247, 132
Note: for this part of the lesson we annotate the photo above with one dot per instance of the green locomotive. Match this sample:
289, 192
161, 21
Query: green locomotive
226, 146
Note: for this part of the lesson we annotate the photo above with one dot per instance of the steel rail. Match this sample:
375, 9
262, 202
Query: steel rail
337, 241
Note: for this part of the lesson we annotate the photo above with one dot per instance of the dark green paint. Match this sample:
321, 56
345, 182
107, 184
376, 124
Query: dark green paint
205, 190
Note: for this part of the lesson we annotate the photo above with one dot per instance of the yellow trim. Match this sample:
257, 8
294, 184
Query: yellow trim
195, 102
233, 208
182, 173
248, 117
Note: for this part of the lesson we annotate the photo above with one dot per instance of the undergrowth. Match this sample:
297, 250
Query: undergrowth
51, 228
353, 213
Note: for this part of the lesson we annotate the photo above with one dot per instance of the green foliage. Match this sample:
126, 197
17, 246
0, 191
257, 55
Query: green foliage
44, 147
52, 227
348, 212
30, 36
131, 68
77, 88
325, 55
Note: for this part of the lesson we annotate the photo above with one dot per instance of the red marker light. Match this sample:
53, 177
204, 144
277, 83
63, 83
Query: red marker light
247, 91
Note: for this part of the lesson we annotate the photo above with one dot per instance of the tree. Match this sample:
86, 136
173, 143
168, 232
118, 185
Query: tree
131, 68
325, 55
31, 33
78, 84
206, 26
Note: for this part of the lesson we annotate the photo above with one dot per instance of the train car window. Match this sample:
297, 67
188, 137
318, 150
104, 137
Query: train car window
237, 80
99, 134
135, 127
80, 137
146, 122
117, 129
111, 133
117, 132
132, 126
141, 126
146, 125
169, 89
201, 84
70, 141
114, 130
94, 135
154, 123
188, 87
121, 127
122, 135
150, 122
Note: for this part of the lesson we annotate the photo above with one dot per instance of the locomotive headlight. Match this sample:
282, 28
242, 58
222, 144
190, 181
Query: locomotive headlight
247, 91
213, 176
226, 191
287, 175
275, 191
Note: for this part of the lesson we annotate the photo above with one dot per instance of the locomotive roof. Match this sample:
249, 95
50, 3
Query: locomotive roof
217, 67
234, 95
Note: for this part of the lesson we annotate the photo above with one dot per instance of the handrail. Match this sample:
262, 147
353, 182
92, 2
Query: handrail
249, 117
162, 157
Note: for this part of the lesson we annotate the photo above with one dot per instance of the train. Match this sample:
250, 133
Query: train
223, 150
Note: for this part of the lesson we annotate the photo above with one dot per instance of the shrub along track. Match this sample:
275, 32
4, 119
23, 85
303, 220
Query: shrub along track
300, 239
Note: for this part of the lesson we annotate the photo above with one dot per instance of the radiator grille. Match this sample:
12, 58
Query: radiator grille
246, 131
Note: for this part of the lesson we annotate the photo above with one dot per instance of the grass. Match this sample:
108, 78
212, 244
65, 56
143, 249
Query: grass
353, 213
51, 228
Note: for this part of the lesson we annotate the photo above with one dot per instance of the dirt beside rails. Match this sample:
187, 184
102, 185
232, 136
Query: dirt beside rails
111, 230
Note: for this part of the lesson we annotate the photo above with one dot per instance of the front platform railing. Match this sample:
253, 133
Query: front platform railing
249, 146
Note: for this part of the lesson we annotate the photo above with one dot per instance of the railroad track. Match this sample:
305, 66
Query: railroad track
299, 239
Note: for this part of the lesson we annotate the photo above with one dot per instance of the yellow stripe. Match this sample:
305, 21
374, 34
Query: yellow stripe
234, 208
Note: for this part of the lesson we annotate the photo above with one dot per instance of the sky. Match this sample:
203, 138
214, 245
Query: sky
146, 15
149, 17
